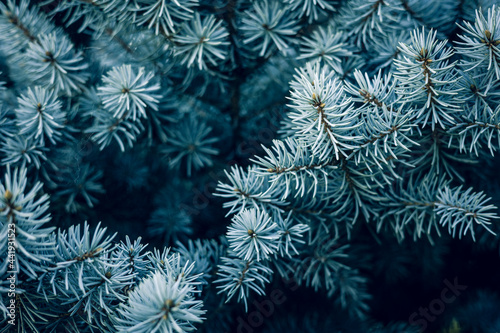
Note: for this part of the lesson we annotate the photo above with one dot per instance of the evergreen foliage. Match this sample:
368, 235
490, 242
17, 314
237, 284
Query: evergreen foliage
327, 163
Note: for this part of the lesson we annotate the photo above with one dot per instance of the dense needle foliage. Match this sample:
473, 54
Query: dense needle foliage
249, 166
